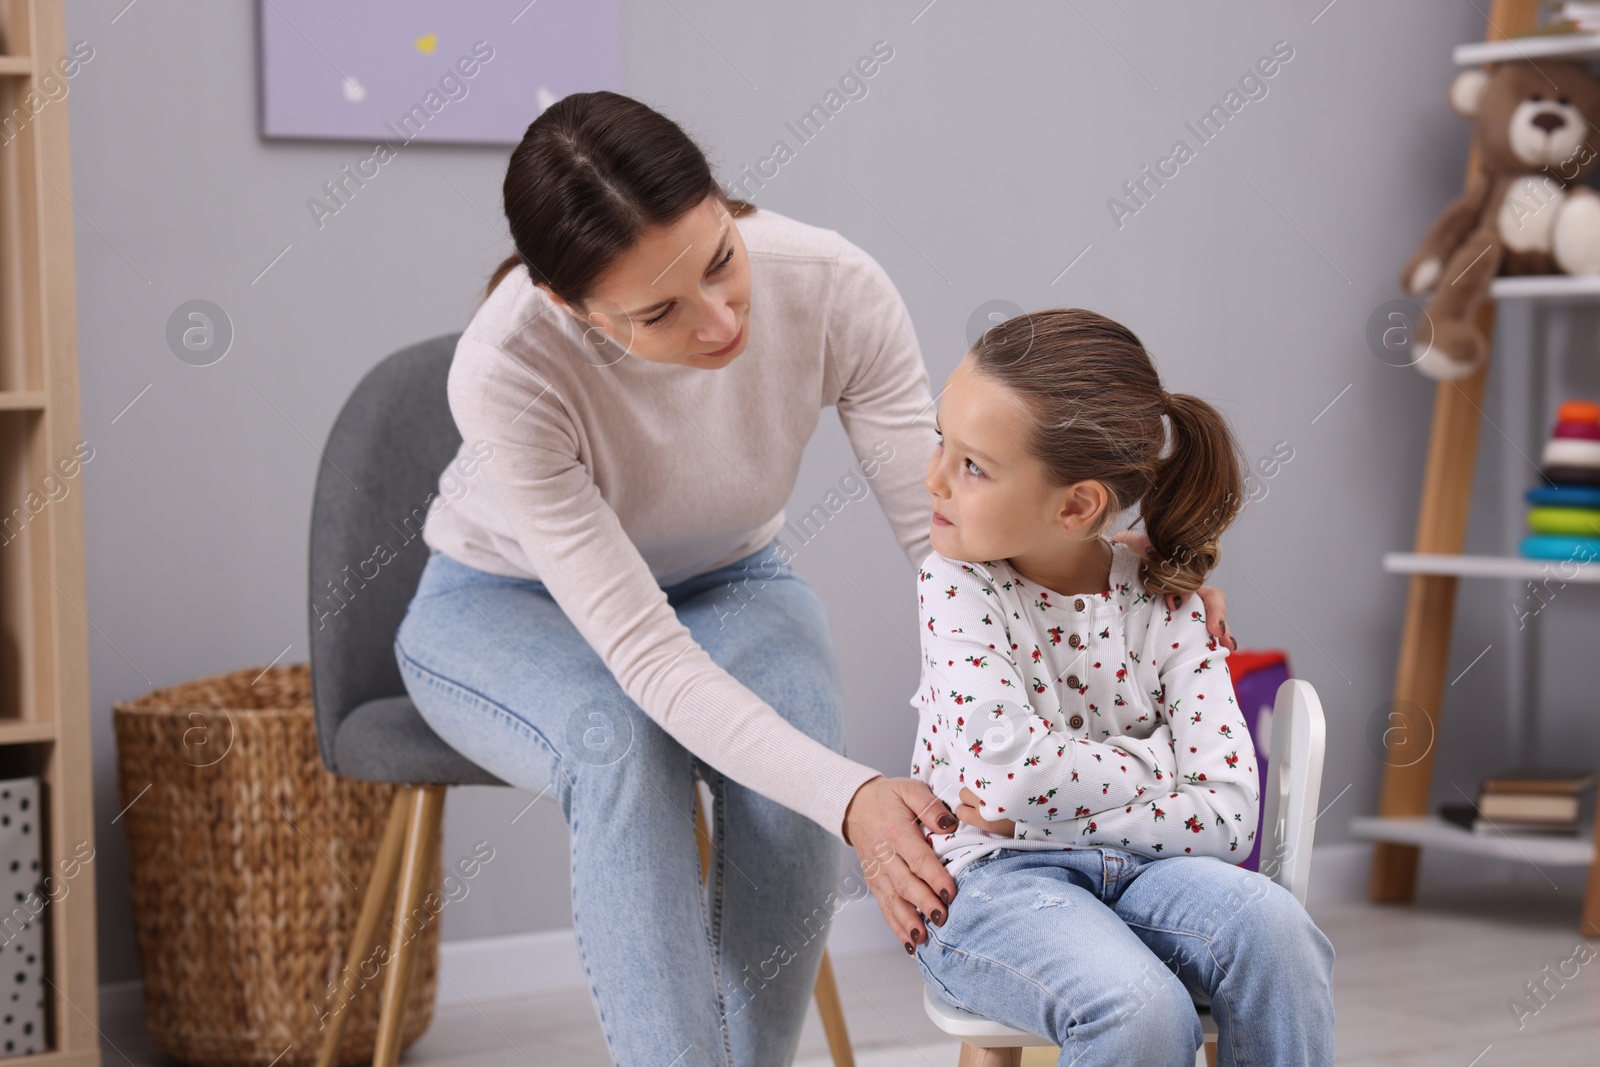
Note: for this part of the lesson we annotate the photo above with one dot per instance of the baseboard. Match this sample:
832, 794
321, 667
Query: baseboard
512, 965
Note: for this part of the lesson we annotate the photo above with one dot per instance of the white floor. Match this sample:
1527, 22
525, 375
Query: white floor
1424, 985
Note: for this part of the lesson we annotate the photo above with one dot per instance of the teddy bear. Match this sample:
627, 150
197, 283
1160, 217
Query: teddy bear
1525, 212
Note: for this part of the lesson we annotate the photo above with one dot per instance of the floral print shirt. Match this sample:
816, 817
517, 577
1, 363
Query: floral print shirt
1087, 719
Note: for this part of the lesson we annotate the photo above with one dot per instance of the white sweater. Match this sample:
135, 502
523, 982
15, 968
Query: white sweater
610, 476
1091, 719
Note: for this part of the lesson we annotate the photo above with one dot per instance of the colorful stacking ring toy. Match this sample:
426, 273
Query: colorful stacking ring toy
1566, 522
1565, 496
1577, 549
1588, 476
1571, 452
1565, 516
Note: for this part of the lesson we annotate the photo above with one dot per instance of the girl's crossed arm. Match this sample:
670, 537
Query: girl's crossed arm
1189, 788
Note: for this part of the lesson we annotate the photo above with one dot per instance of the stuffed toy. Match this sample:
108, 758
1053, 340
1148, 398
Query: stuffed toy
1525, 211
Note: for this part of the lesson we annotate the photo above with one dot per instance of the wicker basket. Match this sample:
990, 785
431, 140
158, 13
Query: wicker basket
248, 865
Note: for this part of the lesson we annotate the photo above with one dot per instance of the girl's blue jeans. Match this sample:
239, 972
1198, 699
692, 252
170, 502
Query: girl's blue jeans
1106, 952
678, 974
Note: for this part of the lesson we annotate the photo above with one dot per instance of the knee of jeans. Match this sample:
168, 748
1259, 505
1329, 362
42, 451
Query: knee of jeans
1279, 918
615, 751
1152, 996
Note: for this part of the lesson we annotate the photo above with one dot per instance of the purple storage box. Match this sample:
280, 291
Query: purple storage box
1256, 678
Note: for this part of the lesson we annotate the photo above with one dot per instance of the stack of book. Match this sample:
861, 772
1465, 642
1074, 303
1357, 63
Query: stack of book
1564, 16
1525, 800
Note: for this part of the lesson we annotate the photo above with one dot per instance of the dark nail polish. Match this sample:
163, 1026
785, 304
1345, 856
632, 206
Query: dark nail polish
944, 895
947, 822
1224, 625
937, 917
909, 950
916, 937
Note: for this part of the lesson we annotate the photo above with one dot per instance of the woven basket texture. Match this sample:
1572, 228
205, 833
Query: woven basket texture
248, 864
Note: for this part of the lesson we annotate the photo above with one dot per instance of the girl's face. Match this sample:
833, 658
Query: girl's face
991, 498
680, 295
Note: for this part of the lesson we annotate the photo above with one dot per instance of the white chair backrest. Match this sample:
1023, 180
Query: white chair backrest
1294, 786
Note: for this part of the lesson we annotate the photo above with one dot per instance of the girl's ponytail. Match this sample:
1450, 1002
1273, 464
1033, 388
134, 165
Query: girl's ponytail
1194, 494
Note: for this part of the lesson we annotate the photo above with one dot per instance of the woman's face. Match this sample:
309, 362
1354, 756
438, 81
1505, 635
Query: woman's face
681, 294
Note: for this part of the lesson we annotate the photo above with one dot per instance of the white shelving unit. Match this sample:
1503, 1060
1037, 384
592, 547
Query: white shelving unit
1549, 46
1550, 288
1490, 566
1438, 560
1430, 831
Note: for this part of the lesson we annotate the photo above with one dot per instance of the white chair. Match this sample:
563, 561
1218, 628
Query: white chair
1294, 781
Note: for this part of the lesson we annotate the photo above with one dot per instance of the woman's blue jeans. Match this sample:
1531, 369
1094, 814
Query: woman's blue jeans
678, 974
1106, 952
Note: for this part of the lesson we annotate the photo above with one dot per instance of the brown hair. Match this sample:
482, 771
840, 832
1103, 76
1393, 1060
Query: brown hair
1096, 404
592, 173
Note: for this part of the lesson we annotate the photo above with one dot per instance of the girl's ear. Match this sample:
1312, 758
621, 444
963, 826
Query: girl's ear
1084, 505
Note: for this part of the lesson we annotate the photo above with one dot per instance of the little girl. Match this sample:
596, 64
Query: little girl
1086, 735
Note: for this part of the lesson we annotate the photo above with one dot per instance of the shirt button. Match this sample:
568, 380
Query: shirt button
1075, 722
1077, 605
1074, 641
1072, 681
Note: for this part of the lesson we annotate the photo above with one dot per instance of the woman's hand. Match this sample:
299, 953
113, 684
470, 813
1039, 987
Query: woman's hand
1214, 599
883, 824
967, 811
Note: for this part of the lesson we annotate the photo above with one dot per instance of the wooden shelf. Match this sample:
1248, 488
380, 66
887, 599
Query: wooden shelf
1463, 566
26, 733
1549, 288
1433, 832
43, 602
21, 400
1548, 46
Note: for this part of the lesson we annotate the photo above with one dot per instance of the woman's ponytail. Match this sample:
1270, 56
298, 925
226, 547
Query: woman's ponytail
1195, 493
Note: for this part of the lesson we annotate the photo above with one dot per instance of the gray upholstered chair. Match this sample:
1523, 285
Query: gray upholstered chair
381, 463
392, 439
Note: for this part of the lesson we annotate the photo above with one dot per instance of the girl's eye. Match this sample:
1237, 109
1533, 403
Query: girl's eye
974, 468
668, 309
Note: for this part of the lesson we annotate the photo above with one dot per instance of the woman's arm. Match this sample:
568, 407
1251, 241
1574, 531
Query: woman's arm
875, 376
596, 575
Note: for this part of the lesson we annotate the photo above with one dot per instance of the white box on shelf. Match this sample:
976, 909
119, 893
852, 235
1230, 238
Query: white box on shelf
22, 923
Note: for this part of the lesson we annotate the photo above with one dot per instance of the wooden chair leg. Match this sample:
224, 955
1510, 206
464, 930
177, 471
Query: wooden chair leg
827, 995
379, 885
989, 1057
422, 828
1211, 1050
826, 991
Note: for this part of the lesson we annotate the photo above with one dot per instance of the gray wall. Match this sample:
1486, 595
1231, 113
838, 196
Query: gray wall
977, 167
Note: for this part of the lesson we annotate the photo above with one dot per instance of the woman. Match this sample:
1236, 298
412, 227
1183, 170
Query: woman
608, 612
